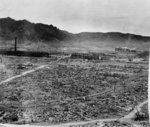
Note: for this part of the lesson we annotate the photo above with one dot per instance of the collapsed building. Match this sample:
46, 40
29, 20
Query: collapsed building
89, 56
92, 56
125, 49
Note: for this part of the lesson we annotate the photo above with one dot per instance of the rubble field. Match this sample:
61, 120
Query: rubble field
11, 66
72, 91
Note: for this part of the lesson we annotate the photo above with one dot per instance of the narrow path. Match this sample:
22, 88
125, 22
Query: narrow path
133, 113
59, 125
24, 73
29, 71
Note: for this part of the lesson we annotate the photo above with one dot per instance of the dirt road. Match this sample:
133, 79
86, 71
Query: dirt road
131, 115
29, 71
24, 73
59, 125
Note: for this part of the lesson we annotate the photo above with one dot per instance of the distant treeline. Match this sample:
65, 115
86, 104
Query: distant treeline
25, 53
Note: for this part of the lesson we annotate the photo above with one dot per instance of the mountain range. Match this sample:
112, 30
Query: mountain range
38, 36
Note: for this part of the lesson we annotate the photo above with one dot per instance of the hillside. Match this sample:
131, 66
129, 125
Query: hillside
48, 36
25, 30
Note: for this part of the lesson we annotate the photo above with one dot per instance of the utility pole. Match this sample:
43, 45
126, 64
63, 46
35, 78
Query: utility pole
15, 44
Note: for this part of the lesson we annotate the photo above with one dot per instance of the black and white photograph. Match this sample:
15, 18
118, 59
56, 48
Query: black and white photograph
74, 63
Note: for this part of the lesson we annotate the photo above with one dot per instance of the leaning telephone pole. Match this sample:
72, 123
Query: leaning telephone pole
15, 44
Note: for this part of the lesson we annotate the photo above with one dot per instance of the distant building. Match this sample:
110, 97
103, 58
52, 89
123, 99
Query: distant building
125, 49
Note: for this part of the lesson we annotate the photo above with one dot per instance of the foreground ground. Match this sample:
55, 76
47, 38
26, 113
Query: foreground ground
67, 91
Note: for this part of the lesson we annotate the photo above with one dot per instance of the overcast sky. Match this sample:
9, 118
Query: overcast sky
128, 16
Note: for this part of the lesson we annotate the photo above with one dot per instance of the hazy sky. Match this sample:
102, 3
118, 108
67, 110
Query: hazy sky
75, 16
